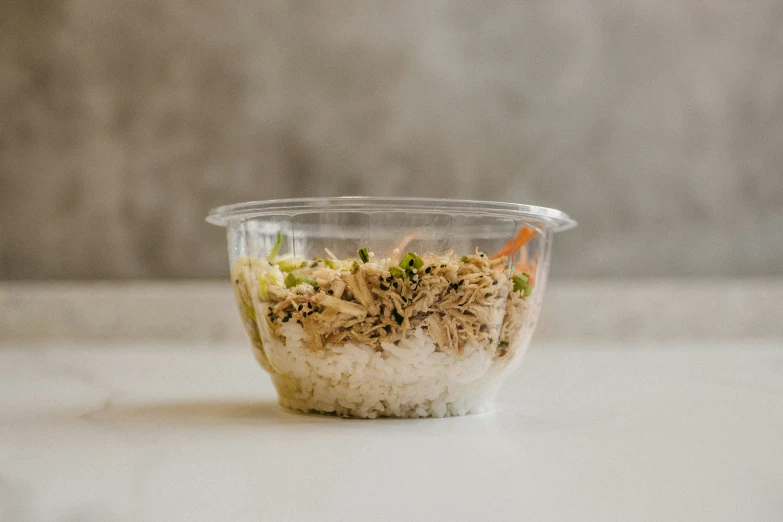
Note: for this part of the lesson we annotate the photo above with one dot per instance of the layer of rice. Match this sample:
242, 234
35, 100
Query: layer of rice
409, 378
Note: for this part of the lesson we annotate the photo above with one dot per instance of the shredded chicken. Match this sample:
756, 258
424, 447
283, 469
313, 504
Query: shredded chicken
457, 300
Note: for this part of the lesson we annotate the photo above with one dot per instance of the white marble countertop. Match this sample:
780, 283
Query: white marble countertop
584, 432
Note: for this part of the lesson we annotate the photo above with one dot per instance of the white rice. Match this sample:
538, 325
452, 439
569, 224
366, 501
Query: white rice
406, 379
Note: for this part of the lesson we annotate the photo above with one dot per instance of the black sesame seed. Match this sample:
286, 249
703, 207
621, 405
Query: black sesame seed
237, 281
383, 287
494, 282
285, 319
395, 284
300, 307
428, 270
330, 291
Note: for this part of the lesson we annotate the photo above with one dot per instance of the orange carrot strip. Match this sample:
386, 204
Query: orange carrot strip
510, 248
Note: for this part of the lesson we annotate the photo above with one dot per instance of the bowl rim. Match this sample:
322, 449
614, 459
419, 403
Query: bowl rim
554, 219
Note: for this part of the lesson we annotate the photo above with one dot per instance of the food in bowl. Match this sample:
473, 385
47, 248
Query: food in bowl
401, 333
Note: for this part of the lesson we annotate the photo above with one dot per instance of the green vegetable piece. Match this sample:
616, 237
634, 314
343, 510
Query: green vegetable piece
521, 284
397, 272
289, 265
262, 288
503, 344
465, 259
249, 311
354, 267
275, 249
291, 280
364, 255
411, 261
331, 263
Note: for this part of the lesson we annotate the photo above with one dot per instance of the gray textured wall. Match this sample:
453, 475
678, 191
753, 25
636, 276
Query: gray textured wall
658, 125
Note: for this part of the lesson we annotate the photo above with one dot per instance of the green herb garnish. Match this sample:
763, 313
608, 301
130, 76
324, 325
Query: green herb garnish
331, 263
521, 284
503, 344
411, 261
364, 255
397, 272
465, 259
292, 280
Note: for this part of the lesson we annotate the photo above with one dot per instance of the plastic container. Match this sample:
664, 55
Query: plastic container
391, 307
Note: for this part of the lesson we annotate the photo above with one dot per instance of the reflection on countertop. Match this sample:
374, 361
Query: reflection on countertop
584, 431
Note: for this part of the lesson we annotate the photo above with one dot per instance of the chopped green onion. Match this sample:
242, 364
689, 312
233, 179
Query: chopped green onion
521, 284
331, 263
364, 254
396, 271
276, 249
410, 261
503, 344
465, 259
354, 267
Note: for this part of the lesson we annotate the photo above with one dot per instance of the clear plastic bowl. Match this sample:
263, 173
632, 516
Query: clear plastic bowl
389, 307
